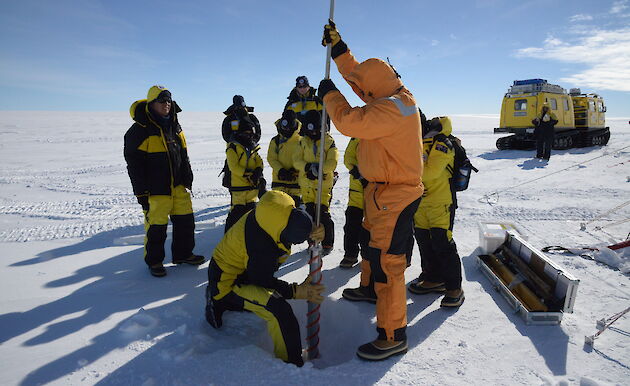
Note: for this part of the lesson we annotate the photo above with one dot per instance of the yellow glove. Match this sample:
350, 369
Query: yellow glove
317, 234
308, 291
331, 35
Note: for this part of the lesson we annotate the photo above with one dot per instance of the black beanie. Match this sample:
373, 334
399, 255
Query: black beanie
301, 80
288, 119
298, 227
238, 101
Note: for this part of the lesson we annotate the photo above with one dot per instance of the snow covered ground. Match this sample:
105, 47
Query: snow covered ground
78, 305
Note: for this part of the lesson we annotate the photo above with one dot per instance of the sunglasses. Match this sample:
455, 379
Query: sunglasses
302, 86
164, 100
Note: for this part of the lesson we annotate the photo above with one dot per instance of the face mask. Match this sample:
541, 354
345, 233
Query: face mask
312, 132
246, 138
285, 129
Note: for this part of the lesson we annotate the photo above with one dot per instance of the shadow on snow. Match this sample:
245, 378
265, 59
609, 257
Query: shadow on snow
551, 342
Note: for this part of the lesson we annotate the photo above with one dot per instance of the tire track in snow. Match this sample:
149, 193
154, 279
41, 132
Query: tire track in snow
84, 218
19, 175
69, 229
520, 214
75, 218
104, 207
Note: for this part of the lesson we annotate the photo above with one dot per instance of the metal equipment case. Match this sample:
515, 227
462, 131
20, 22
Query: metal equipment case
564, 288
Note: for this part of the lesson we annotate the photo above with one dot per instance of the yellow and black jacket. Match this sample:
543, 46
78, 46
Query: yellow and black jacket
156, 154
251, 251
242, 162
302, 104
280, 156
308, 152
356, 188
439, 157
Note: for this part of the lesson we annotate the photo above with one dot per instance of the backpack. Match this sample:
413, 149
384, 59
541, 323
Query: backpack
226, 182
227, 176
462, 166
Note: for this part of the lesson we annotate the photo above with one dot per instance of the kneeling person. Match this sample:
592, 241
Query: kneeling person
241, 272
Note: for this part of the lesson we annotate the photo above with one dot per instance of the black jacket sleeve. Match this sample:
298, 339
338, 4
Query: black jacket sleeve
136, 159
186, 168
263, 259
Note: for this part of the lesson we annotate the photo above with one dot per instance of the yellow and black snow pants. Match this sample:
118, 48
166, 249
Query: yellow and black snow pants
292, 189
243, 199
433, 228
178, 206
268, 305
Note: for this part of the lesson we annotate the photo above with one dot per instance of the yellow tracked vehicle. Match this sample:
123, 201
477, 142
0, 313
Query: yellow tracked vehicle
581, 117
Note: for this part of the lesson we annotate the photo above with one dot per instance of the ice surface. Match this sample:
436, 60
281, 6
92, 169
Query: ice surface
79, 306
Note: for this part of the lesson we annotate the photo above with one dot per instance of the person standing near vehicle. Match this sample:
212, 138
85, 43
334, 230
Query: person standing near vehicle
433, 221
544, 131
157, 162
390, 159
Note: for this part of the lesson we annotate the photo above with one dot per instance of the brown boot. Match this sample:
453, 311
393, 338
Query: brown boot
360, 294
348, 262
425, 287
453, 298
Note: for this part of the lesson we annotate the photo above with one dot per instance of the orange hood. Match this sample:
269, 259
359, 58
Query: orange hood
374, 79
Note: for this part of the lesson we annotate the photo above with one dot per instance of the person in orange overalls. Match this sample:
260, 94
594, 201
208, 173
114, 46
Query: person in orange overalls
390, 159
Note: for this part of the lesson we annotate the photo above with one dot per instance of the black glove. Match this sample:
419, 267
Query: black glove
311, 170
294, 173
285, 175
262, 187
363, 181
325, 86
355, 173
144, 201
256, 174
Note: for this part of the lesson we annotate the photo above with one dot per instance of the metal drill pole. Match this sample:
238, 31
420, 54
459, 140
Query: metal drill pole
315, 262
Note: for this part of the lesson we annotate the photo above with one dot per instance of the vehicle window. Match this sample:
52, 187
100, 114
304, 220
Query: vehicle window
553, 104
520, 105
566, 104
591, 106
600, 107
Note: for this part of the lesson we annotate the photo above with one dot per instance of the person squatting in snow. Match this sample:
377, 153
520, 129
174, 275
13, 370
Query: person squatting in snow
280, 156
241, 271
161, 177
433, 221
306, 161
390, 159
244, 173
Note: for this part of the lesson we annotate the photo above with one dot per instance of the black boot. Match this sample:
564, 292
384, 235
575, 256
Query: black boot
360, 294
192, 260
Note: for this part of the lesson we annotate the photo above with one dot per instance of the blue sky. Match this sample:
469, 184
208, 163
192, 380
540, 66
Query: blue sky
457, 57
